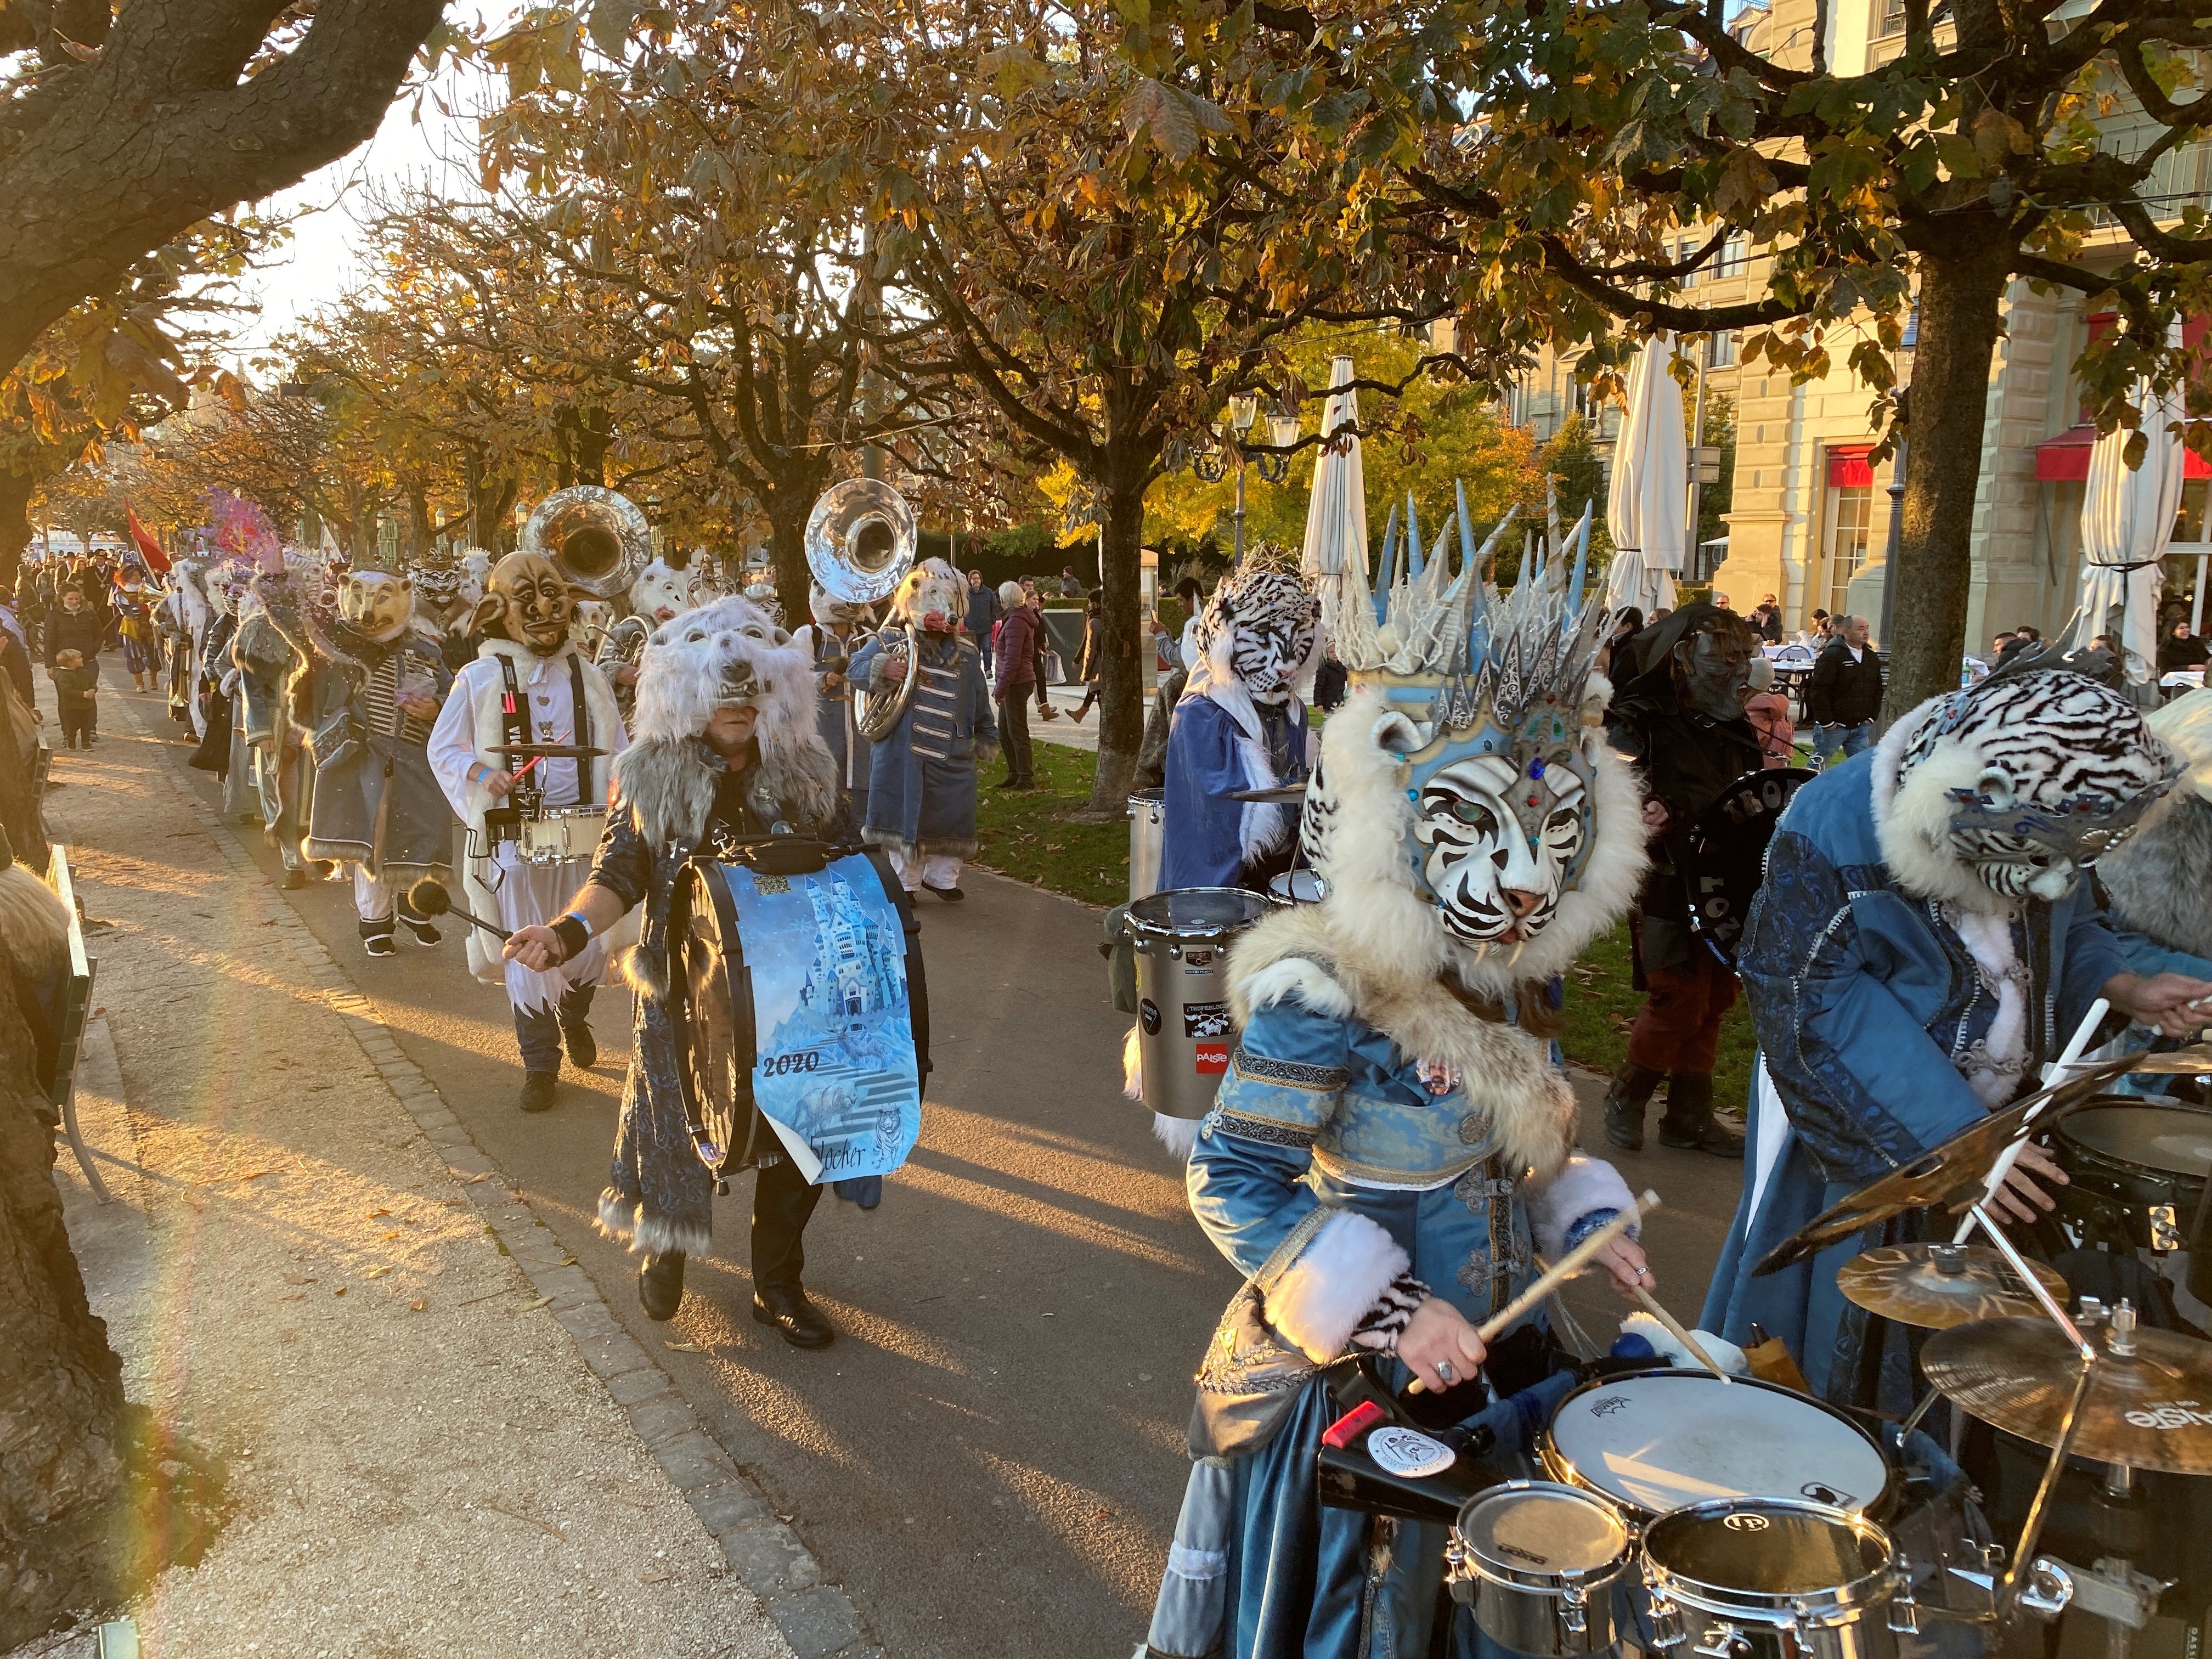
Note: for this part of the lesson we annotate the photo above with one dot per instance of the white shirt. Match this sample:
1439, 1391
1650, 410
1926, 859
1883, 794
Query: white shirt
1190, 646
1858, 656
551, 694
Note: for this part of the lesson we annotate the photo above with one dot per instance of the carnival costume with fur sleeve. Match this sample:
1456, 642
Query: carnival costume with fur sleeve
1386, 1130
547, 686
1240, 724
1910, 966
922, 775
673, 794
266, 665
377, 806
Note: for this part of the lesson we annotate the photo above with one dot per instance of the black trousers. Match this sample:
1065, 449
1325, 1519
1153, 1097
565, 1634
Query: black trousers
1014, 734
783, 1202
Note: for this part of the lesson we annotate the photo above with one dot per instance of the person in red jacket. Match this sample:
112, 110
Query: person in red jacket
1013, 677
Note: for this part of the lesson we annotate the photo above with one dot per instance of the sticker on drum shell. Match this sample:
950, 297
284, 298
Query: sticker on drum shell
1206, 1019
1148, 1014
1408, 1452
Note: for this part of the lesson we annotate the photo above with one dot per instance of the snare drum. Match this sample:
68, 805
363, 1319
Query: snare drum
1537, 1563
2137, 1169
1654, 1441
559, 835
1299, 886
1773, 1578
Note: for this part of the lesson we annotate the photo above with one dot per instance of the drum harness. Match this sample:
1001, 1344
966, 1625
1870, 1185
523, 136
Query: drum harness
503, 824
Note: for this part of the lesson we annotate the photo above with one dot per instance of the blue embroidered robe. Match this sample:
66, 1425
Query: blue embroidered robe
1203, 834
1865, 1001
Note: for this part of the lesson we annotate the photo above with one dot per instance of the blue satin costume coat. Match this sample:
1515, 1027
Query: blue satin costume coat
1862, 997
1201, 844
1312, 1108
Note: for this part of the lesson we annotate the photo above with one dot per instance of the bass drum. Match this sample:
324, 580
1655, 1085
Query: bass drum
2137, 1169
1725, 859
796, 993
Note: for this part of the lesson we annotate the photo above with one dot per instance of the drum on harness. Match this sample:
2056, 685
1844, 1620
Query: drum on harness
1726, 855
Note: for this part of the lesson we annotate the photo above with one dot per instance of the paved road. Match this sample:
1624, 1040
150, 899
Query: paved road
990, 1459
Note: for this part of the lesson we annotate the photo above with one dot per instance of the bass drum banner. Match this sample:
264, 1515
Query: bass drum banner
801, 1013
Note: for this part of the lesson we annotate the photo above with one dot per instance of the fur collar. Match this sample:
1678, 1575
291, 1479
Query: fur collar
669, 782
2160, 881
1307, 952
1374, 905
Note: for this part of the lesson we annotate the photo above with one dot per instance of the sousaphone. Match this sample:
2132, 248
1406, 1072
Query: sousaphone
860, 543
596, 538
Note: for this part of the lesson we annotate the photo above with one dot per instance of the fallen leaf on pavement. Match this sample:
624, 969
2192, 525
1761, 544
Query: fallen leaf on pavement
687, 1347
389, 1237
655, 1578
339, 1291
376, 1273
299, 1278
473, 1179
295, 1297
541, 1301
378, 1210
417, 1305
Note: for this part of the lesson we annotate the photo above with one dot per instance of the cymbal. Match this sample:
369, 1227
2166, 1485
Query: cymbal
1956, 1173
1908, 1283
546, 751
1283, 794
2151, 1411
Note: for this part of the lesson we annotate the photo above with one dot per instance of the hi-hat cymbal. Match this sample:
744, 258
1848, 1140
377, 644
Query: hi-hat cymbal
2150, 1411
1936, 1287
546, 751
1956, 1173
1282, 794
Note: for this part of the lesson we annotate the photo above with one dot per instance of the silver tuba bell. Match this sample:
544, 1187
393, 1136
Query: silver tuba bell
860, 543
596, 538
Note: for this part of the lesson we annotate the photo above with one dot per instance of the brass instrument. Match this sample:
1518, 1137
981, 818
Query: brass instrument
861, 540
621, 644
595, 538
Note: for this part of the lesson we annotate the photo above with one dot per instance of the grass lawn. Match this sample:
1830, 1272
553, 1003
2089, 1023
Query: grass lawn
1026, 835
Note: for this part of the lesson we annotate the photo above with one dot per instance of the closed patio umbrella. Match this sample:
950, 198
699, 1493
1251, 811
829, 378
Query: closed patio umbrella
1646, 502
1336, 512
2127, 519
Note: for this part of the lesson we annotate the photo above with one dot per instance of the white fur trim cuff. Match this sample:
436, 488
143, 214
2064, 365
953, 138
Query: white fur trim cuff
1319, 1300
1586, 1186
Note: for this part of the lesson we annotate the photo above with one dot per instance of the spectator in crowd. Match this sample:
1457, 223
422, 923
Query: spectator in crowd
2023, 639
1768, 711
983, 609
1042, 657
2099, 662
1721, 601
2181, 649
1071, 584
1843, 697
1013, 665
1192, 595
1627, 623
77, 695
1029, 590
1094, 656
72, 626
1766, 620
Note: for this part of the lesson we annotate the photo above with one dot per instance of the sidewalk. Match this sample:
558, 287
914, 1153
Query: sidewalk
311, 1269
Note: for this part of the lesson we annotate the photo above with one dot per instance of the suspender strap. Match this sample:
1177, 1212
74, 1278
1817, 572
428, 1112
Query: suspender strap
585, 794
514, 717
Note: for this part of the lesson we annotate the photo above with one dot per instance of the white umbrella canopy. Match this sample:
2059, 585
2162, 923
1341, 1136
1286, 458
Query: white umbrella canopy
1647, 499
1336, 512
2127, 519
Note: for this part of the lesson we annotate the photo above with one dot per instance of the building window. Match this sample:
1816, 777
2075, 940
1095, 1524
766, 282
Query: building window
1850, 518
1720, 352
1686, 251
1730, 260
1893, 18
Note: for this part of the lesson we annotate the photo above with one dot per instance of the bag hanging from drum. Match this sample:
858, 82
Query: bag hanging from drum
800, 1014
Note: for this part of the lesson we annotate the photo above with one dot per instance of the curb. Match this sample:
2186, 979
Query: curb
818, 1619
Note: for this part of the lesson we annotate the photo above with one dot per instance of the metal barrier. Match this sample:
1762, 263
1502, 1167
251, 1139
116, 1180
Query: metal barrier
76, 1011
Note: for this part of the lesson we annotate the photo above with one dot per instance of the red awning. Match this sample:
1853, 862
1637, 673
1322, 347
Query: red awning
1848, 465
2065, 459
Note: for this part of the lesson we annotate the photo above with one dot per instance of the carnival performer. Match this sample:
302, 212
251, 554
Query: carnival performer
444, 607
726, 750
1679, 714
922, 773
1394, 1136
831, 639
372, 689
267, 666
529, 685
1922, 945
1240, 724
227, 586
2158, 887
134, 623
182, 611
662, 592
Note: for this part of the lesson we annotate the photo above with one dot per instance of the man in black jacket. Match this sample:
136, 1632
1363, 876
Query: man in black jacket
1843, 698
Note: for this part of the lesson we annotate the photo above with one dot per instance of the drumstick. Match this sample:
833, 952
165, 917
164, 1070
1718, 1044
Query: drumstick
1569, 1264
1651, 1306
2010, 1155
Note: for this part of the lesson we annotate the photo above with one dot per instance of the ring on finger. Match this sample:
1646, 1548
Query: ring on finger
1445, 1370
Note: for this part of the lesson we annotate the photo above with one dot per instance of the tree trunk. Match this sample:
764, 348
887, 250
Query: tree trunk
1961, 293
786, 550
1121, 681
62, 1472
15, 491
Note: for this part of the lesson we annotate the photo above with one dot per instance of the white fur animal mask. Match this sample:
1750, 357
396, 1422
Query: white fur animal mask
661, 593
932, 588
376, 604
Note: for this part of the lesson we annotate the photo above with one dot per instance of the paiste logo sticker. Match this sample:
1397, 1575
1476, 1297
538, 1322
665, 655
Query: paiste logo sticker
1212, 1059
2174, 1415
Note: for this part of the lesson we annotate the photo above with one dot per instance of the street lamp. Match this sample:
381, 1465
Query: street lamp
1284, 429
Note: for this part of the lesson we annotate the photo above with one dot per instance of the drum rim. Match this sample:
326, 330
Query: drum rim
1556, 1462
1854, 1597
2118, 1162
1529, 1580
1138, 924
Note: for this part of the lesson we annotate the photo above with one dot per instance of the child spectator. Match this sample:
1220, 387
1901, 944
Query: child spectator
79, 702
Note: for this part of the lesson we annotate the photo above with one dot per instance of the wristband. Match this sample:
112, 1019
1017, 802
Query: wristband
574, 932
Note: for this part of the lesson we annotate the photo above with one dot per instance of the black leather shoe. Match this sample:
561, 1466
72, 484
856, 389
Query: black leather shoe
583, 1047
1624, 1106
1688, 1124
538, 1091
660, 1285
801, 1322
295, 879
949, 895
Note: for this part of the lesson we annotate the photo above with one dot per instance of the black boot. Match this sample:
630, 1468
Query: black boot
1625, 1103
660, 1285
583, 1047
786, 1308
1688, 1124
537, 1088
